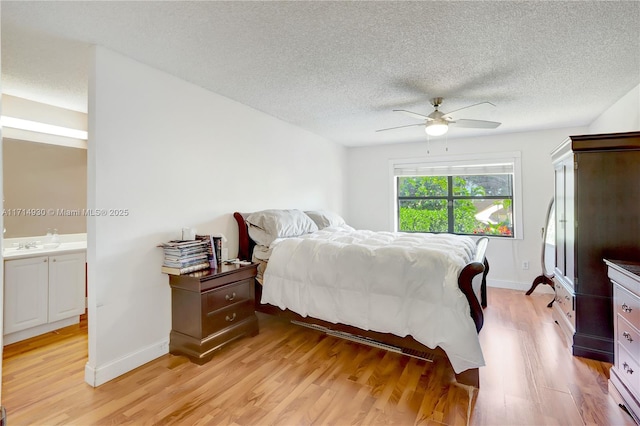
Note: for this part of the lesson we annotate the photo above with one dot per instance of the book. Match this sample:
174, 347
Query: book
185, 259
180, 244
182, 271
200, 248
211, 252
185, 256
217, 244
184, 264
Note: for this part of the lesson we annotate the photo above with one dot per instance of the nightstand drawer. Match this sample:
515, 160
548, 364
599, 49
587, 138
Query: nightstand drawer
240, 274
628, 337
627, 305
227, 317
228, 295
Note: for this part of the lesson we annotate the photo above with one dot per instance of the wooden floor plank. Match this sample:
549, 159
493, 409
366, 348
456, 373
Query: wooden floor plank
293, 375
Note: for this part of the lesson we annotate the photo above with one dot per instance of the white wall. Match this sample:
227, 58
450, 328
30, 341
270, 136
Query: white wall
622, 116
1, 245
369, 186
176, 155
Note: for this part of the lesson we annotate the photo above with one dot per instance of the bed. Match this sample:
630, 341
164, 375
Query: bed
312, 271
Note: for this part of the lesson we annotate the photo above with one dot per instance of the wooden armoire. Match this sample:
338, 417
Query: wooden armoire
597, 216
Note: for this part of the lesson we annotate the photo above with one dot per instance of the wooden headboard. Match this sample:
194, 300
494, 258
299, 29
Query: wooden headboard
245, 243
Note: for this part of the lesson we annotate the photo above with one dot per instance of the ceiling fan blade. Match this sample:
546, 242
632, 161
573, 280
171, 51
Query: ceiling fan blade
399, 127
413, 114
470, 106
478, 124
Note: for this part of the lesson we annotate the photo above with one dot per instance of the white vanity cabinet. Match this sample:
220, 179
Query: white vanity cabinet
42, 293
26, 293
66, 286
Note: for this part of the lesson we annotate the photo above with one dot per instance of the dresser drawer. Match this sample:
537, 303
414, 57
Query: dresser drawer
628, 369
228, 295
628, 337
565, 301
627, 305
223, 318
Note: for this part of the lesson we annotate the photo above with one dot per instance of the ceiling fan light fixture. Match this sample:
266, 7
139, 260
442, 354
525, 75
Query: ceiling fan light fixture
436, 128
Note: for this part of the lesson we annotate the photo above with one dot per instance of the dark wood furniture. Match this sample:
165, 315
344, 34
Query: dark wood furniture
624, 376
473, 276
210, 309
597, 216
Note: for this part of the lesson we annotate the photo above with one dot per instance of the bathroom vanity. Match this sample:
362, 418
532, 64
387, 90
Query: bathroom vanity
44, 288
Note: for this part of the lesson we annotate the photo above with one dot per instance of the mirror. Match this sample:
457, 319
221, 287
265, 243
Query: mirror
45, 186
548, 255
549, 244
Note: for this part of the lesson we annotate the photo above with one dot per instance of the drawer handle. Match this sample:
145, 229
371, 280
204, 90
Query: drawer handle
628, 369
230, 298
231, 318
567, 297
568, 314
627, 336
626, 308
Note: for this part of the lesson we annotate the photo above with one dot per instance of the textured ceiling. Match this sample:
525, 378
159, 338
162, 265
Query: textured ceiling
339, 68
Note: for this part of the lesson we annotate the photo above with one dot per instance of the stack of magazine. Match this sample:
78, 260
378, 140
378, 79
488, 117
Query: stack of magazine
185, 256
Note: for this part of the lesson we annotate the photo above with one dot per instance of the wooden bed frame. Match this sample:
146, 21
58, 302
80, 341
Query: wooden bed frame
473, 275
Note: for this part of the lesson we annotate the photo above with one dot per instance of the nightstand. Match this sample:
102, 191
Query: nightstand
210, 309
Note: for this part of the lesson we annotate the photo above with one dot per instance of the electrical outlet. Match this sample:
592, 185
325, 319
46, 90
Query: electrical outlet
525, 264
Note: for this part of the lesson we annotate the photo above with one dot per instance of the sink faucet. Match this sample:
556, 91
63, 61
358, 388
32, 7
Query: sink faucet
32, 244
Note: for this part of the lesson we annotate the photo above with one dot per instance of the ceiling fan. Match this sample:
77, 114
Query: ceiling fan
437, 123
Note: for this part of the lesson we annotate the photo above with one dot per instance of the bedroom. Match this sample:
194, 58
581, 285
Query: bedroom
145, 121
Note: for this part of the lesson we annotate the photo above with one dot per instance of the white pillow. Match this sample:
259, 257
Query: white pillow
325, 219
267, 225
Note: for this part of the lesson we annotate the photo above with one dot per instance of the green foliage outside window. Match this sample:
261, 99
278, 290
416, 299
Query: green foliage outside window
426, 204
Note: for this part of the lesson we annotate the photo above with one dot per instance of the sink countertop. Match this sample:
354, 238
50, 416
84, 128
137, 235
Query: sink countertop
39, 250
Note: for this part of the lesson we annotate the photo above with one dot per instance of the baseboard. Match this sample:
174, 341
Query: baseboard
512, 285
38, 330
96, 376
593, 347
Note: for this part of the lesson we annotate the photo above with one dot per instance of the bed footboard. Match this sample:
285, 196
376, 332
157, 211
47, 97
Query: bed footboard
473, 283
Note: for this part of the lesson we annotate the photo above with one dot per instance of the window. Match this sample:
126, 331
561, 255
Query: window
469, 197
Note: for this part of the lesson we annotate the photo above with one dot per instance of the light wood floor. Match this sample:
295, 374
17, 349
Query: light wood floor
292, 375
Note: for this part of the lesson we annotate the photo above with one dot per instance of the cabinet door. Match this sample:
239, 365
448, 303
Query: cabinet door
570, 217
25, 293
66, 286
565, 221
560, 218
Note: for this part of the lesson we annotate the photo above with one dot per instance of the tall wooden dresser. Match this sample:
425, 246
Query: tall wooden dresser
597, 188
624, 376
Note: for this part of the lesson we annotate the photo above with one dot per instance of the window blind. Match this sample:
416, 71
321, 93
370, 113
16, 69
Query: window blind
440, 169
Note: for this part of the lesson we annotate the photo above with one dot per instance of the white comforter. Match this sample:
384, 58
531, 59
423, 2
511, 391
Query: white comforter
389, 282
